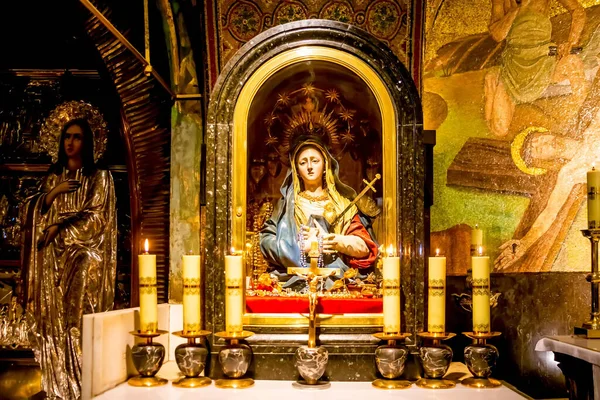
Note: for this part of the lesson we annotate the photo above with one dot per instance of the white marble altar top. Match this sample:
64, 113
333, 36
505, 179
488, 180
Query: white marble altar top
283, 390
575, 346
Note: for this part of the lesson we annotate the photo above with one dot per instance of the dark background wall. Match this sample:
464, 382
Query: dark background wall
530, 307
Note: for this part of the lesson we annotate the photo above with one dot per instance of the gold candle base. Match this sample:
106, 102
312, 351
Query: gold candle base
481, 383
481, 337
147, 358
432, 357
434, 383
480, 358
587, 332
147, 381
436, 337
235, 358
389, 384
234, 383
593, 325
390, 360
191, 360
591, 329
192, 382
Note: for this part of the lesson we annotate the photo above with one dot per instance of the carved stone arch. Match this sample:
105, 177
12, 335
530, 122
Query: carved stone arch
410, 177
145, 126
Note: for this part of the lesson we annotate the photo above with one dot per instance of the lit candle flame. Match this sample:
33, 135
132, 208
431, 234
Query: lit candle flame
233, 251
437, 252
593, 165
390, 251
480, 250
146, 246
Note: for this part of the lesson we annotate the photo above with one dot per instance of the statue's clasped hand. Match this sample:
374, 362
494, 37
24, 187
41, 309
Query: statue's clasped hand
308, 235
349, 245
50, 233
333, 243
70, 185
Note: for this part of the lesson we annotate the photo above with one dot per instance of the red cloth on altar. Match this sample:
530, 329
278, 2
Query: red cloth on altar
326, 305
356, 228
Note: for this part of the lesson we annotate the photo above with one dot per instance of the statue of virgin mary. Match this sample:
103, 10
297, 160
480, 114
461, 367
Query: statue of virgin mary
313, 197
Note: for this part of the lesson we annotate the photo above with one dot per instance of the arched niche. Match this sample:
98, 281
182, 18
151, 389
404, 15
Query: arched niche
280, 58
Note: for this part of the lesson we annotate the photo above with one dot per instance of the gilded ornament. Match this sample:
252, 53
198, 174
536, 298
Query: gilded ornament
191, 290
244, 20
233, 283
332, 95
391, 287
337, 285
236, 328
192, 327
350, 273
337, 11
384, 18
480, 282
148, 289
436, 283
191, 282
309, 197
435, 328
290, 10
311, 111
147, 280
391, 283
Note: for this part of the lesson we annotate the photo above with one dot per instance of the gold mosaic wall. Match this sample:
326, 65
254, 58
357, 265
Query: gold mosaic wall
513, 142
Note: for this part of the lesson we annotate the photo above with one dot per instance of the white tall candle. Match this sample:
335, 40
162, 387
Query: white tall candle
391, 292
480, 266
436, 301
191, 293
147, 287
234, 293
593, 190
476, 239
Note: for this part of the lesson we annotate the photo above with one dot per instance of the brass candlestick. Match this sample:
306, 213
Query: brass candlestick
480, 358
235, 358
147, 358
191, 360
390, 360
591, 328
435, 359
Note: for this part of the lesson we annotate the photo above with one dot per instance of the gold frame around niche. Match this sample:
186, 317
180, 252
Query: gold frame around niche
240, 161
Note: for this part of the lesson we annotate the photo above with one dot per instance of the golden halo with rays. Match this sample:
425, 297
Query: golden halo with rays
68, 111
319, 124
517, 145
